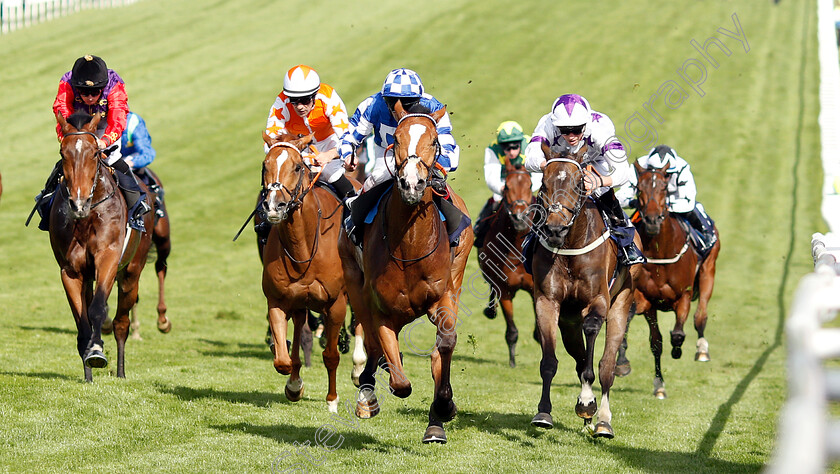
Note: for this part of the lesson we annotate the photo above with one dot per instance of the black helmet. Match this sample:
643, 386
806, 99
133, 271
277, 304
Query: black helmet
89, 72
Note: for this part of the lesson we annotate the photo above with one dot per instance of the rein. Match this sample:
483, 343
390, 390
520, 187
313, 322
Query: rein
399, 167
556, 206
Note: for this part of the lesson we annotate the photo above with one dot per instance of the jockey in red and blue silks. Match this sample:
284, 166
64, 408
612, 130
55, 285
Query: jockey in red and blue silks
92, 88
375, 116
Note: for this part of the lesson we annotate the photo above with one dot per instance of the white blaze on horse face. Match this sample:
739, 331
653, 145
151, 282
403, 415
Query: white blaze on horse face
562, 175
79, 145
279, 159
415, 132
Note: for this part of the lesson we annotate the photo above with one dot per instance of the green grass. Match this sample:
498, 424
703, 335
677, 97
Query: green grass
203, 74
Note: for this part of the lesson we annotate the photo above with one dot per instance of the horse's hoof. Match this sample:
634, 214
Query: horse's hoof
95, 359
622, 370
603, 430
587, 410
490, 312
512, 363
702, 357
165, 326
294, 395
676, 352
434, 434
659, 393
368, 409
543, 420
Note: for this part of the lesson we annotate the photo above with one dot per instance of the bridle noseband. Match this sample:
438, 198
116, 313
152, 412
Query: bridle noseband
555, 207
96, 174
644, 205
398, 167
297, 194
509, 205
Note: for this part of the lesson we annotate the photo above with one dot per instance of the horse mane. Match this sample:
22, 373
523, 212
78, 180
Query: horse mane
79, 119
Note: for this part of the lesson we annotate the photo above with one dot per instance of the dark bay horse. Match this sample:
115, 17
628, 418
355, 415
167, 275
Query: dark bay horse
500, 259
300, 259
87, 227
408, 269
573, 265
674, 273
162, 246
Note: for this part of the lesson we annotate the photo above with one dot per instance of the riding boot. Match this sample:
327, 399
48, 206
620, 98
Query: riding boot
43, 201
150, 183
344, 187
483, 222
703, 224
438, 181
621, 228
135, 197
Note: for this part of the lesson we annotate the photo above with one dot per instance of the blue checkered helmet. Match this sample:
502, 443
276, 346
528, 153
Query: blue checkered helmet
402, 83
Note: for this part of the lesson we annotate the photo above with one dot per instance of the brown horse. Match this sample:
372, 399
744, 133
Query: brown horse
163, 247
573, 266
674, 273
87, 227
500, 259
299, 259
408, 269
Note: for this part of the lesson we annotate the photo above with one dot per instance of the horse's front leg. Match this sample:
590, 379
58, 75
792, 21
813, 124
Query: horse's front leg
127, 290
594, 316
333, 321
443, 315
617, 318
75, 290
294, 385
387, 333
278, 325
547, 313
359, 355
106, 273
681, 309
163, 246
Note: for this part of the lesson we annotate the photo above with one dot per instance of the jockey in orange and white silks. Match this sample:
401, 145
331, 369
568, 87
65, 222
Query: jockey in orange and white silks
304, 106
571, 124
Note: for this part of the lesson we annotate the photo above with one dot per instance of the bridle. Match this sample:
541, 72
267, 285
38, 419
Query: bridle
398, 167
643, 206
509, 205
555, 207
95, 176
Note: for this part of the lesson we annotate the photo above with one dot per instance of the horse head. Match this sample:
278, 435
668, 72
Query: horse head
562, 194
286, 177
653, 193
516, 195
79, 160
415, 150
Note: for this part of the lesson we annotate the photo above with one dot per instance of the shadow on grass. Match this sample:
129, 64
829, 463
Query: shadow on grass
49, 329
648, 460
257, 399
354, 439
46, 376
239, 349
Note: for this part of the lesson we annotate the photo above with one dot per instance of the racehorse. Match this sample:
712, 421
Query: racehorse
163, 247
408, 269
87, 227
500, 259
299, 259
573, 264
674, 274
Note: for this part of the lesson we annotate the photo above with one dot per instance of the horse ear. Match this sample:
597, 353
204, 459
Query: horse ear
91, 126
268, 139
546, 150
638, 167
399, 111
439, 114
61, 121
304, 141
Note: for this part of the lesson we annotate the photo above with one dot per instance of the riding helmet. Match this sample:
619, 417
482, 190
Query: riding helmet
570, 110
89, 71
301, 81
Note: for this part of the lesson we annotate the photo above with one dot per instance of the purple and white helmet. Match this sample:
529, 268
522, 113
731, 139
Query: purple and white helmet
402, 82
570, 110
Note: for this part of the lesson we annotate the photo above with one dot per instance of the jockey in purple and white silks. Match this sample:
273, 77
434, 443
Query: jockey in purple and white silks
375, 116
682, 191
571, 124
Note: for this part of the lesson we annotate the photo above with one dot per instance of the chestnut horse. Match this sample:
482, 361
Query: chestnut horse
573, 266
674, 273
300, 259
163, 247
408, 269
500, 259
87, 227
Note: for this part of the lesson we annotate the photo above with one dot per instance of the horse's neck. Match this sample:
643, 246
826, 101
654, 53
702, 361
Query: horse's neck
404, 222
587, 226
298, 232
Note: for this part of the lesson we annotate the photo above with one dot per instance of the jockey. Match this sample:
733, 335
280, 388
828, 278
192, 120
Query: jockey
682, 192
571, 124
509, 147
93, 88
136, 149
375, 115
308, 106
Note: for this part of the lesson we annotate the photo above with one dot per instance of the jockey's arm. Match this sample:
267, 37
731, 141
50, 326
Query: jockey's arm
359, 129
493, 172
534, 156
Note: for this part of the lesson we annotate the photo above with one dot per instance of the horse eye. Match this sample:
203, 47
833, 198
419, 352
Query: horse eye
297, 167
